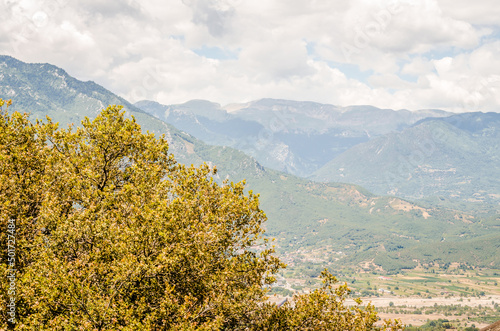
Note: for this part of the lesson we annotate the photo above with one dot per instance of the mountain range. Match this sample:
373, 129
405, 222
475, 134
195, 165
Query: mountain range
291, 136
409, 154
301, 213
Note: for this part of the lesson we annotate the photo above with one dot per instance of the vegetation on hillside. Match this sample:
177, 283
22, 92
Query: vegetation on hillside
454, 158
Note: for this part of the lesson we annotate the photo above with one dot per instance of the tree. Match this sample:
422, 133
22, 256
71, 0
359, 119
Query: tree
113, 234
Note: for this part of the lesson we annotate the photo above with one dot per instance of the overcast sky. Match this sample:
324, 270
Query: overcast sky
391, 54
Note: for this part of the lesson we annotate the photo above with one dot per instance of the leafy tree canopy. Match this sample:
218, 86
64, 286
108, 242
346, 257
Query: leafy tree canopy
112, 234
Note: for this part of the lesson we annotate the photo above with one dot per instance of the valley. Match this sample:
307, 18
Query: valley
417, 296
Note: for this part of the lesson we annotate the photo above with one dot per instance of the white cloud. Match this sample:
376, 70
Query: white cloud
417, 66
390, 81
480, 12
286, 49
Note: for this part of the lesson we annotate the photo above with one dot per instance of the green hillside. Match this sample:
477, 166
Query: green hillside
436, 157
45, 89
478, 252
346, 218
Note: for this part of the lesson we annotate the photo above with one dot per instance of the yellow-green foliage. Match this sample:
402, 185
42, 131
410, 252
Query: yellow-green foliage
113, 234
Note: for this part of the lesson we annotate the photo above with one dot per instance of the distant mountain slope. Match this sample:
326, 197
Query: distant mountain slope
48, 90
301, 213
455, 157
306, 116
296, 137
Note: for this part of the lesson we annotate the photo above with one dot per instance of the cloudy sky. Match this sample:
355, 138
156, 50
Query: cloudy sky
393, 54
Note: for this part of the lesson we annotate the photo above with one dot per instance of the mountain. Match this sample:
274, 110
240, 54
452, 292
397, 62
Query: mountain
296, 137
455, 157
322, 217
45, 89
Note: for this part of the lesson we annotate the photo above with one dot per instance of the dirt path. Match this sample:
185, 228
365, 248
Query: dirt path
422, 302
418, 320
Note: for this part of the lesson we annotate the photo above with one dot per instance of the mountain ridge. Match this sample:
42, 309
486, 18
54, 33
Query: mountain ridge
434, 157
297, 137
